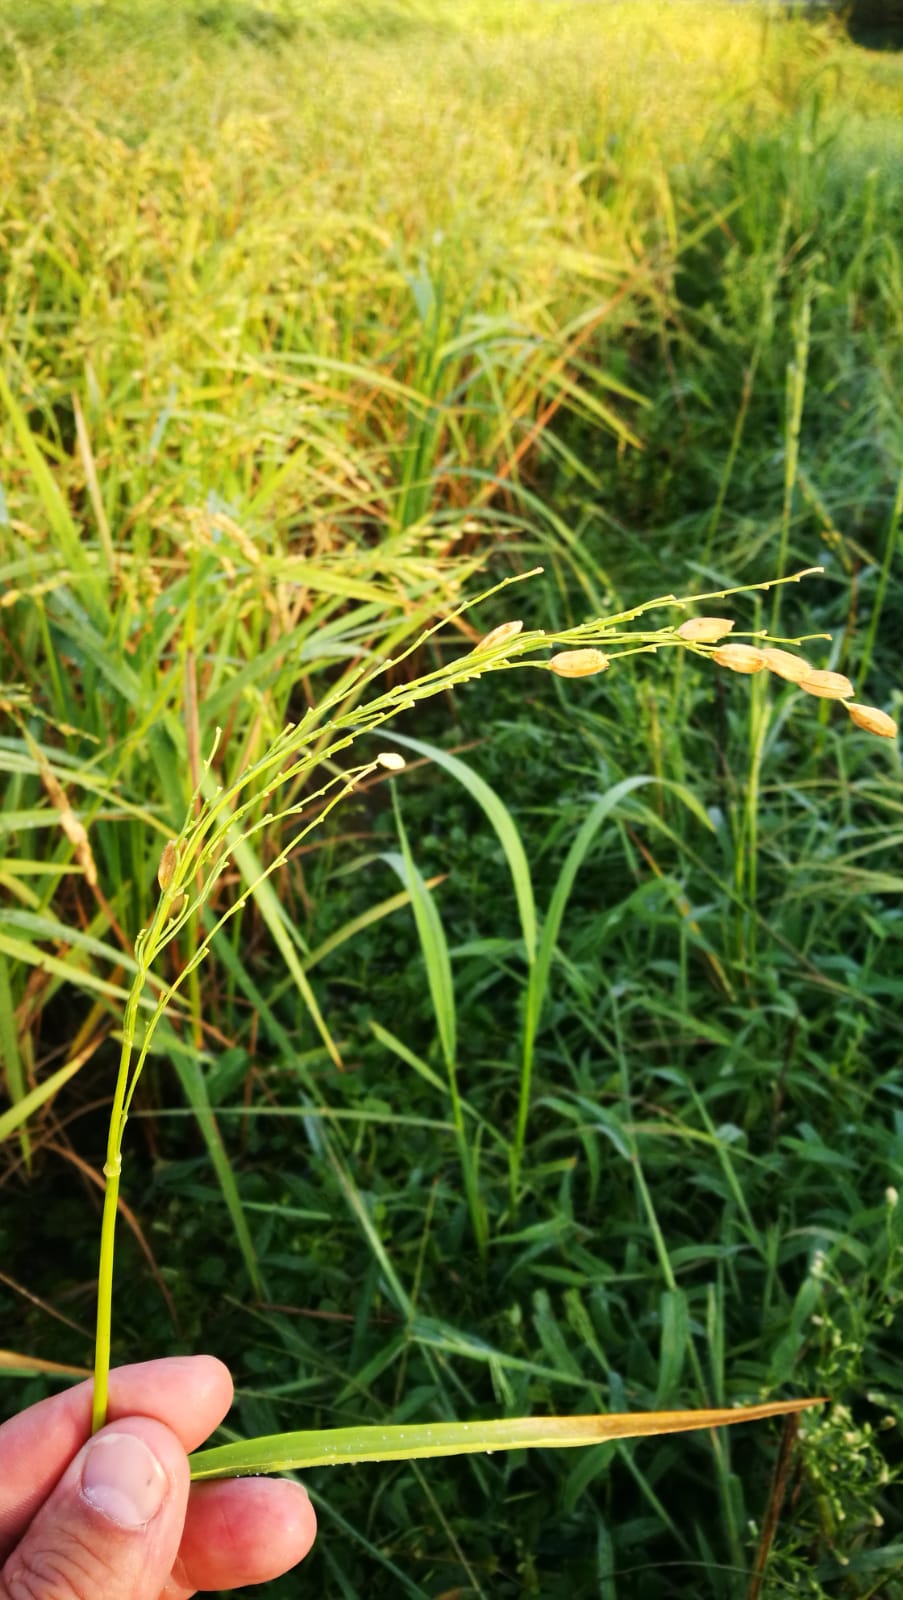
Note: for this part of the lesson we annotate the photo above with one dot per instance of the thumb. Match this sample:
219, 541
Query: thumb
111, 1528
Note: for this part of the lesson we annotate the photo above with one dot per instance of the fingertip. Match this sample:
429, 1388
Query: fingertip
290, 1504
191, 1394
212, 1378
244, 1531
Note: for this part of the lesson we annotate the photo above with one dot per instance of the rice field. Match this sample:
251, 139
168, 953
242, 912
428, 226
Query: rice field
558, 1072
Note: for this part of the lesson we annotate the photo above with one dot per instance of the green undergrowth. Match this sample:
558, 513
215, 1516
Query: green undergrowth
314, 319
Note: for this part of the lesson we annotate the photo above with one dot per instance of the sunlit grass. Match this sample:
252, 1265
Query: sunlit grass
309, 313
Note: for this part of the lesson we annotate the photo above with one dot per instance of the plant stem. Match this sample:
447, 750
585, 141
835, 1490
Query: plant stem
112, 1170
105, 1282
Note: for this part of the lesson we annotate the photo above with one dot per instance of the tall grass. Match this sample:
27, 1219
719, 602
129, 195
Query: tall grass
311, 314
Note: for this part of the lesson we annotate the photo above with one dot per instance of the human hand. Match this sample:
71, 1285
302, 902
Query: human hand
114, 1517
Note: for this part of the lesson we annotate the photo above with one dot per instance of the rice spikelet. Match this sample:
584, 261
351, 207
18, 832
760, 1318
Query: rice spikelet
499, 635
784, 664
167, 867
872, 720
578, 663
705, 630
740, 657
828, 685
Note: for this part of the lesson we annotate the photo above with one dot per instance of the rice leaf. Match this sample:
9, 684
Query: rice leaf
292, 1452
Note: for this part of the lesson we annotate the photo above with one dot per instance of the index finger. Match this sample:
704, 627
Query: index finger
191, 1394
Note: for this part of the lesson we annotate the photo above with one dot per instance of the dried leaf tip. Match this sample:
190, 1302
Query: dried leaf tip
784, 664
391, 760
168, 861
578, 663
828, 685
740, 657
705, 630
499, 635
872, 720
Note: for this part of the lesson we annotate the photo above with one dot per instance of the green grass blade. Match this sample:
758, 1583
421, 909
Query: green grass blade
433, 945
498, 815
18, 1114
66, 971
191, 1078
366, 919
10, 1058
359, 1211
400, 1049
267, 901
290, 1452
539, 975
353, 1532
436, 957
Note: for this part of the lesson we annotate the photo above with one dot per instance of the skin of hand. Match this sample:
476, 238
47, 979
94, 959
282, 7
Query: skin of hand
113, 1517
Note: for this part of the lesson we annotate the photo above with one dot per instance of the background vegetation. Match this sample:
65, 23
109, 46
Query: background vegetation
311, 315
